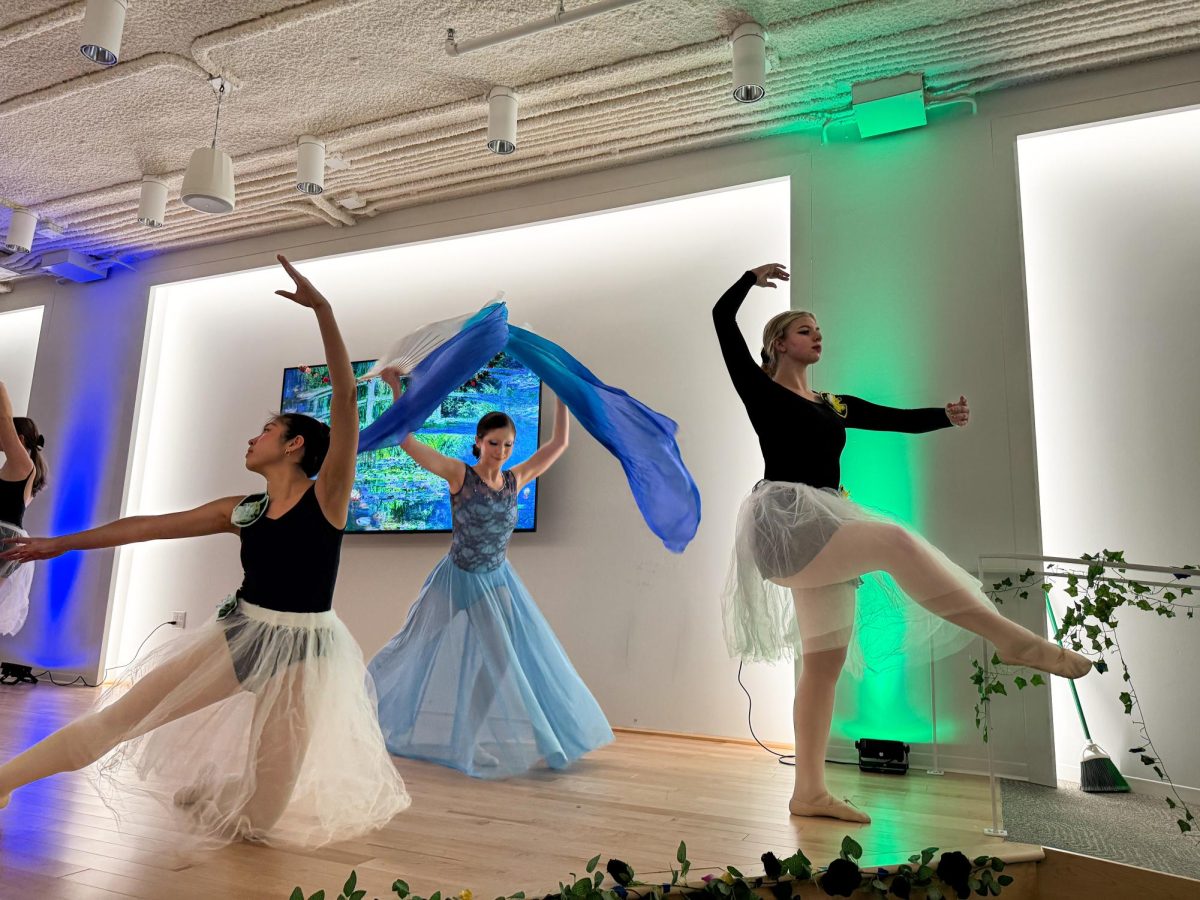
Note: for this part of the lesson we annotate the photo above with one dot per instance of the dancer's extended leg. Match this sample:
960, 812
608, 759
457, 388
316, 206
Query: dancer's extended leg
137, 712
825, 616
860, 547
248, 804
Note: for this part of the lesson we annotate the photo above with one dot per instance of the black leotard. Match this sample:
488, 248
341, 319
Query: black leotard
291, 563
802, 439
12, 500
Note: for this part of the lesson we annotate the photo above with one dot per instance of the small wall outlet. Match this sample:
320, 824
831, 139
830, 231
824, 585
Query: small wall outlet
179, 617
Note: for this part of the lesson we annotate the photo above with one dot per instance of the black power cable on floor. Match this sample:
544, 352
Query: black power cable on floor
784, 759
80, 680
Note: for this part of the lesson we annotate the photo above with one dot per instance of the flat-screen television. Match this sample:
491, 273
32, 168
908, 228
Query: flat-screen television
392, 494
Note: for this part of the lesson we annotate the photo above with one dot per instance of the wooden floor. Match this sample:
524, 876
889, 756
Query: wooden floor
634, 800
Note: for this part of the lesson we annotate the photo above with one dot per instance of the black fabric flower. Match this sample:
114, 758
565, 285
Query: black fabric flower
901, 887
772, 867
620, 871
842, 879
954, 869
781, 890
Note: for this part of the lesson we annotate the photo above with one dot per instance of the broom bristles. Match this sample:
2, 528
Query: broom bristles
1098, 774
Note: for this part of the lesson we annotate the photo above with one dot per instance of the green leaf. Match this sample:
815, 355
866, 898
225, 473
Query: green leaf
851, 848
734, 872
400, 888
319, 895
297, 894
1171, 803
1005, 880
1020, 682
1183, 825
437, 895
996, 660
681, 853
1127, 700
599, 877
351, 883
593, 862
357, 895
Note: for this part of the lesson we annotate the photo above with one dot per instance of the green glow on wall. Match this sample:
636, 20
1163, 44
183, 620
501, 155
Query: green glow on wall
891, 703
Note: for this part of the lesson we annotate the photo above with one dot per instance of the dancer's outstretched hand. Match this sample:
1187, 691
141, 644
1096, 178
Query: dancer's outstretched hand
960, 412
26, 549
764, 274
304, 294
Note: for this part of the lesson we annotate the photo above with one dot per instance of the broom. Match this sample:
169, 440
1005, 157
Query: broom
1098, 774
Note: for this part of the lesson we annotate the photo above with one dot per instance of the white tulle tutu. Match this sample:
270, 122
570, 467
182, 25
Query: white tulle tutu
16, 578
270, 734
781, 528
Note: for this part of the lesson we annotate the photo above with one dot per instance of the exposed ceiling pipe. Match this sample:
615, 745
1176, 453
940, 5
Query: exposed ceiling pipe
43, 24
455, 47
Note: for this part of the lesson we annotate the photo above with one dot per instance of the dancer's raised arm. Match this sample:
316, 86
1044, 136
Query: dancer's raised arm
739, 361
337, 469
447, 467
17, 461
550, 451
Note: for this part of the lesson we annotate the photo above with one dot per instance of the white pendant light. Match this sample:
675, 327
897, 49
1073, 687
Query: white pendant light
20, 231
208, 181
749, 63
310, 165
502, 120
152, 210
100, 36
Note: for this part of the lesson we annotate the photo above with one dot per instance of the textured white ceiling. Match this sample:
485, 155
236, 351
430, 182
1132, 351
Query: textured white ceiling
373, 79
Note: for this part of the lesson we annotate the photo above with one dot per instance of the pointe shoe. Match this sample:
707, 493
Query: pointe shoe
203, 786
192, 794
1048, 657
484, 760
827, 807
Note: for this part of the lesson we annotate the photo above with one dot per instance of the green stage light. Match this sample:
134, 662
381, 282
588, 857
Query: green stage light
889, 104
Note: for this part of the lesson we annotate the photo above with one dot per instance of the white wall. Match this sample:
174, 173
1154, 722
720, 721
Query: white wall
908, 245
1111, 219
19, 333
609, 288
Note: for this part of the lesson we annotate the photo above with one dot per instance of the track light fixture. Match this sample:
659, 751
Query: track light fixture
100, 36
502, 120
749, 63
208, 181
20, 231
152, 209
310, 165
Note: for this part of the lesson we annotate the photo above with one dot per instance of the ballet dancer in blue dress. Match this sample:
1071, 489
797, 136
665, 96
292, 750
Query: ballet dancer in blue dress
476, 680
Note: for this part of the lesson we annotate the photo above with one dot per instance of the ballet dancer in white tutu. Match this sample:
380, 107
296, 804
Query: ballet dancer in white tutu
261, 724
802, 545
22, 477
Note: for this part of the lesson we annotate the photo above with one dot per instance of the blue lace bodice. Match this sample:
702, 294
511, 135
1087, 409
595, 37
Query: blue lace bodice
484, 519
